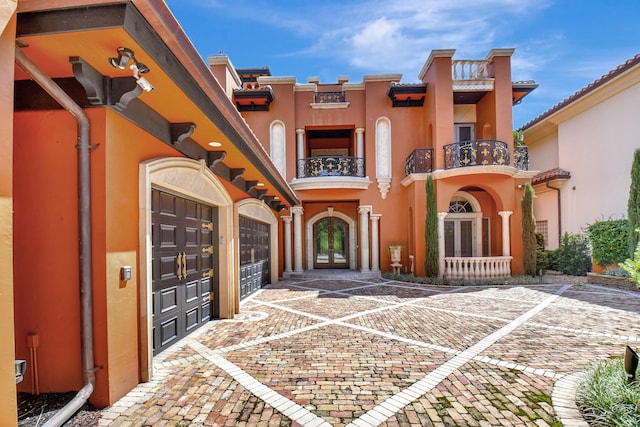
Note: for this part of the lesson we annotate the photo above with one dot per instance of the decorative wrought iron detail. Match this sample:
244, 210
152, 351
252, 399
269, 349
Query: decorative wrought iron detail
480, 152
521, 157
313, 167
419, 161
329, 97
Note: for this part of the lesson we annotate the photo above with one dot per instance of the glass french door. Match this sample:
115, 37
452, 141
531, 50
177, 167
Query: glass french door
459, 237
331, 244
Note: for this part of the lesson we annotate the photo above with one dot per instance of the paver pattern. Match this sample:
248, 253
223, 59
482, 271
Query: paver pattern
378, 352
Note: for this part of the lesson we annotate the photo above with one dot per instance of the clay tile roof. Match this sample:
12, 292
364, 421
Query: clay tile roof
550, 175
586, 90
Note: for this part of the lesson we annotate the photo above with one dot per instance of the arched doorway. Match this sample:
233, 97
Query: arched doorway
331, 243
463, 227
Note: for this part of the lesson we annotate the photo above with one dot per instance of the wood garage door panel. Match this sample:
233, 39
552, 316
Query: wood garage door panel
181, 229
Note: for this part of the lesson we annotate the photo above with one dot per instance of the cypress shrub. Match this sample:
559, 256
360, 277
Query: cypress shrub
529, 242
431, 232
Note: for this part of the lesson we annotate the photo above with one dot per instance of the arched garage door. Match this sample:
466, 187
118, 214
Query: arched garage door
185, 280
255, 261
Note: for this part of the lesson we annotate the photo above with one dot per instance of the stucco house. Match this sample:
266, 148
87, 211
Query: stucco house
145, 192
584, 148
358, 155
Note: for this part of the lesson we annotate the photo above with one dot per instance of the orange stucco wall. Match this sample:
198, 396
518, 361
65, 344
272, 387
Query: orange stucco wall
8, 405
46, 249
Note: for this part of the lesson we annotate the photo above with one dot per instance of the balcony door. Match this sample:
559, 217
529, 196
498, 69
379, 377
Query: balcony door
331, 248
459, 237
464, 132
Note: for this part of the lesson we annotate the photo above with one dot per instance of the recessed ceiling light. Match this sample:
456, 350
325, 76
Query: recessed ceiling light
260, 184
215, 144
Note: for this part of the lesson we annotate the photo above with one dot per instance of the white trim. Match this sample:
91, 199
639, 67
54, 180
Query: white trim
330, 182
278, 147
194, 180
352, 236
258, 210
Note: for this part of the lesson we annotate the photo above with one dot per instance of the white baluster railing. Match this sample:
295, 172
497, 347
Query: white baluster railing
477, 267
469, 69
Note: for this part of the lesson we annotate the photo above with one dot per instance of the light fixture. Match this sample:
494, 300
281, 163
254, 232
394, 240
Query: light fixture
142, 82
261, 184
126, 55
215, 144
630, 364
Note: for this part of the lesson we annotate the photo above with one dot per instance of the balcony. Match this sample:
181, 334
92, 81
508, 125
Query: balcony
419, 161
480, 152
329, 97
331, 166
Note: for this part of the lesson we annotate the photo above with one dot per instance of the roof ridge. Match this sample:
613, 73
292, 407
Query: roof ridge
587, 89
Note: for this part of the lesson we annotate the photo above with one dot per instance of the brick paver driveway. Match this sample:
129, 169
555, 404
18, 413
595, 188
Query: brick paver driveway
377, 352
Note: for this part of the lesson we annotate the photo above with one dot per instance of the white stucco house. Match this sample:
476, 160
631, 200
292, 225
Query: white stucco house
584, 148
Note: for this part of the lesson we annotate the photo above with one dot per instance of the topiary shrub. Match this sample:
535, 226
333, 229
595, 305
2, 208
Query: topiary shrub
574, 255
609, 241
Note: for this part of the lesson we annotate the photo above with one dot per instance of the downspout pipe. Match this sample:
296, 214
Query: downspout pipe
559, 211
84, 224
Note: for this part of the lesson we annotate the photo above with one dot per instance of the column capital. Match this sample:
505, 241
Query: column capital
375, 217
364, 209
296, 210
359, 130
300, 131
287, 219
441, 215
505, 213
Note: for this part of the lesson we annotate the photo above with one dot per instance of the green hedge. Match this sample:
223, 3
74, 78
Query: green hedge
609, 241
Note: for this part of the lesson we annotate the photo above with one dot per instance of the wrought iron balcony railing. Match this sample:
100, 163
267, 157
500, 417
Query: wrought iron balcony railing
419, 161
321, 166
329, 97
480, 152
521, 157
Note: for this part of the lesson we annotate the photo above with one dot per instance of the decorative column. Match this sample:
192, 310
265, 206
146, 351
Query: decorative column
287, 243
360, 143
296, 211
300, 152
506, 237
375, 243
364, 238
441, 262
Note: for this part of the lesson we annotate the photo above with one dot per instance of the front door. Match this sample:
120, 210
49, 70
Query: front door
331, 244
184, 266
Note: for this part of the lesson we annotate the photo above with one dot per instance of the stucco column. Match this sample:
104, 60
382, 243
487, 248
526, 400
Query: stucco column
296, 211
506, 236
300, 152
364, 238
375, 242
360, 143
287, 243
441, 264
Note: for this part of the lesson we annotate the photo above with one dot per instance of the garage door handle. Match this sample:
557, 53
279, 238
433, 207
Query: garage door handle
179, 266
184, 265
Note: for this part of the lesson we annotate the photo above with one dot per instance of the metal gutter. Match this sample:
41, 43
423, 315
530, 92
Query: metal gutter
84, 220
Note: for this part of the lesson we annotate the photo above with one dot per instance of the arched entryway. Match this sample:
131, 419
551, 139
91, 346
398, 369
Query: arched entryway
463, 227
331, 241
192, 184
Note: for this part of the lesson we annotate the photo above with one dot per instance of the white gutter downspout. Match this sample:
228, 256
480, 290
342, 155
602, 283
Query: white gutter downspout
84, 224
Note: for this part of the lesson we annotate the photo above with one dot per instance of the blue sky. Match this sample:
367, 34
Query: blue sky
562, 45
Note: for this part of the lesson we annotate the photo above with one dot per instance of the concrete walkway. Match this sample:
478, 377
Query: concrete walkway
368, 352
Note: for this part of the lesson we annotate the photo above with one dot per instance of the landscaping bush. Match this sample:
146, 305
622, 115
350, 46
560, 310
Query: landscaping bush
573, 257
609, 241
632, 266
605, 397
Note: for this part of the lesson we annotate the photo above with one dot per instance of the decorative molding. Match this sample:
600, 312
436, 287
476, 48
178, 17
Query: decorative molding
91, 80
329, 105
384, 185
180, 131
330, 182
236, 173
214, 157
